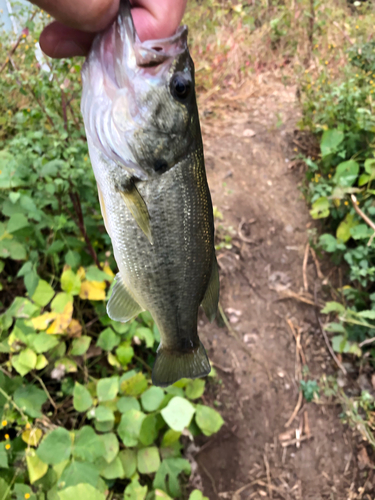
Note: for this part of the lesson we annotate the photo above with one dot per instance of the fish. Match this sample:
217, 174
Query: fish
145, 145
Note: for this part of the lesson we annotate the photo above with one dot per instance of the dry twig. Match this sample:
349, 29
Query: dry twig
304, 266
295, 411
364, 217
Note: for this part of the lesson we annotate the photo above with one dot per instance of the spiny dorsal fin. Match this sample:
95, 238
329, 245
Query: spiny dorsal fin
211, 299
138, 209
121, 305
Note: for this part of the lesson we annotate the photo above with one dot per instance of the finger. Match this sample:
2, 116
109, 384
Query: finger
152, 20
85, 15
155, 20
57, 40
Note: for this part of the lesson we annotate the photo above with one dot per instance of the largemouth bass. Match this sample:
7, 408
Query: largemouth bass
142, 125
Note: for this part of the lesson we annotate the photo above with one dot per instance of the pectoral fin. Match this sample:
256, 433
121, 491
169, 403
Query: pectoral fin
121, 305
211, 299
103, 210
138, 209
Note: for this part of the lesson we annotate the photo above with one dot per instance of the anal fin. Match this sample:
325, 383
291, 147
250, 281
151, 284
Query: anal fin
211, 298
138, 209
121, 305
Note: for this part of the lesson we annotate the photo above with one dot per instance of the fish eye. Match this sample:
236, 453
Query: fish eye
180, 86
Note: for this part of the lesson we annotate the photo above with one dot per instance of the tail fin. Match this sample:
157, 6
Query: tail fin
171, 365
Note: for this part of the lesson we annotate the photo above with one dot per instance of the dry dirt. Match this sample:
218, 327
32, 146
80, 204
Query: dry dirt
256, 455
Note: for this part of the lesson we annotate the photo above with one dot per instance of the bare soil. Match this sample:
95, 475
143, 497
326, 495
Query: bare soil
255, 455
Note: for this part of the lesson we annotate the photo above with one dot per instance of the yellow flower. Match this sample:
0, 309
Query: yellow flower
24, 36
85, 158
371, 82
329, 176
27, 426
28, 110
326, 62
346, 203
7, 446
357, 27
6, 436
27, 495
4, 423
356, 76
357, 202
26, 47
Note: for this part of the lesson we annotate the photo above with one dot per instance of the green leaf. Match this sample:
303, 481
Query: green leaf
30, 399
320, 208
208, 420
134, 491
17, 222
152, 398
128, 459
88, 446
73, 259
111, 446
361, 231
346, 173
368, 314
127, 403
4, 487
35, 467
76, 472
146, 335
130, 427
107, 388
82, 399
178, 413
195, 388
148, 460
363, 179
104, 418
80, 345
3, 456
113, 470
370, 168
55, 447
170, 437
43, 293
13, 249
330, 141
134, 386
149, 431
22, 308
70, 282
197, 495
166, 477
81, 491
28, 358
108, 339
19, 367
125, 353
51, 168
95, 274
60, 301
41, 362
344, 229
333, 307
328, 242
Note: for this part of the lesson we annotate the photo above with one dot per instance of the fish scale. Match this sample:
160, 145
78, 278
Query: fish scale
146, 151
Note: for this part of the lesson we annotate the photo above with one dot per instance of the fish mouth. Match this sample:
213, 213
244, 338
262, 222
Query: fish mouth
156, 52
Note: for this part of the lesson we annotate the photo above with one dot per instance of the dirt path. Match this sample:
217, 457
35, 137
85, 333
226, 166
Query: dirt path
252, 186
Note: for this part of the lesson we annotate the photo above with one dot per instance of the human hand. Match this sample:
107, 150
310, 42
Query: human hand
77, 22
